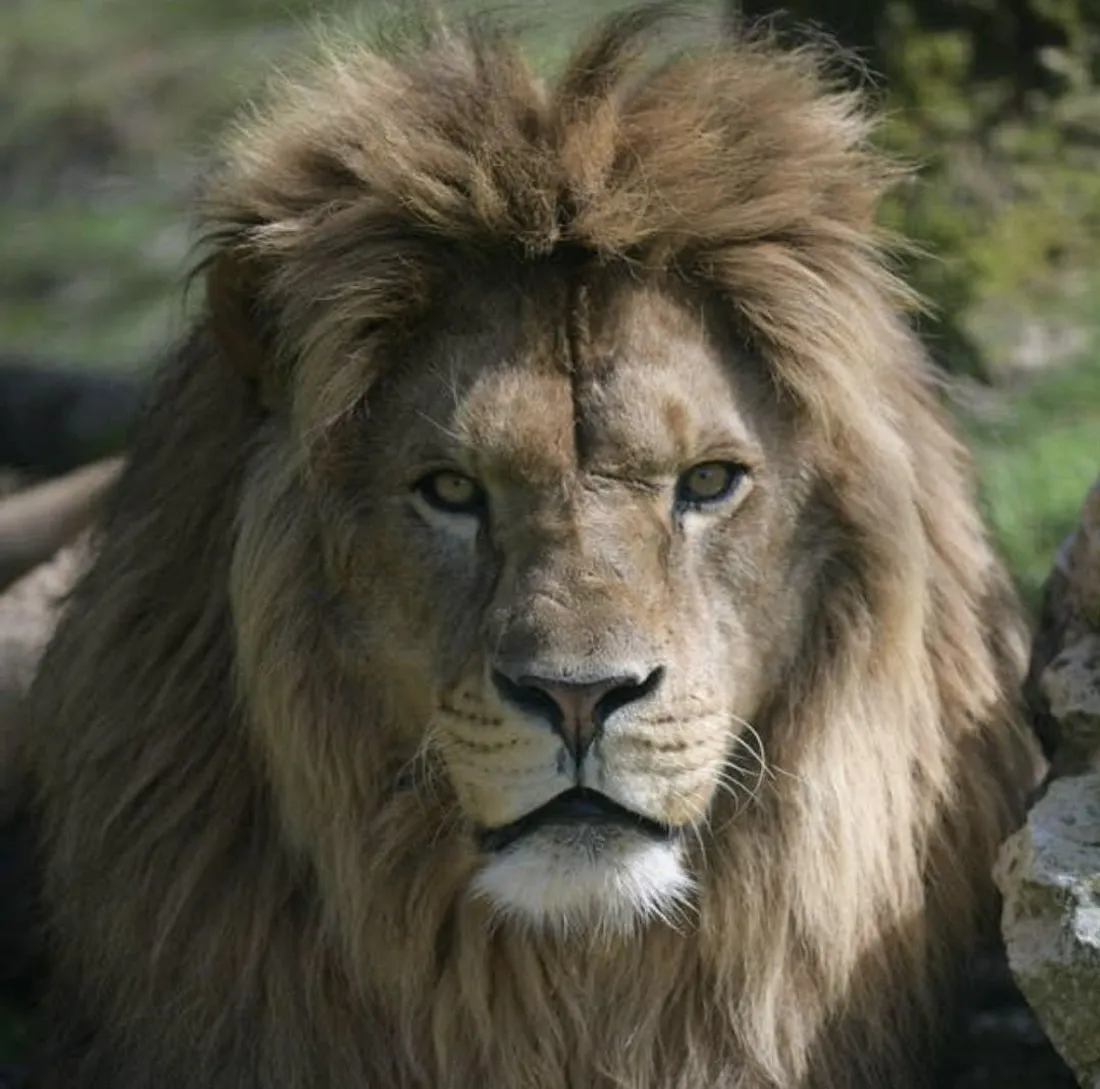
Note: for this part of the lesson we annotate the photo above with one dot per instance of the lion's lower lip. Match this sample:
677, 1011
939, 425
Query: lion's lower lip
580, 805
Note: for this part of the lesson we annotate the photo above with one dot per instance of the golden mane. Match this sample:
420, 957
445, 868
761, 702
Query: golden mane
235, 896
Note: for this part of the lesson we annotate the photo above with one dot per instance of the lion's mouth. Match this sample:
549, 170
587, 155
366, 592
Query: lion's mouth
580, 805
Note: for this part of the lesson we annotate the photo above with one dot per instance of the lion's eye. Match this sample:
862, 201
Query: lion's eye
708, 482
453, 492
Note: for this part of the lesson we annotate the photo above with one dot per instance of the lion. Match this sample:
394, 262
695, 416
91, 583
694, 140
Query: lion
543, 636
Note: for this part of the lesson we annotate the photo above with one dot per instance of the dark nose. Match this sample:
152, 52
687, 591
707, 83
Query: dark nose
576, 712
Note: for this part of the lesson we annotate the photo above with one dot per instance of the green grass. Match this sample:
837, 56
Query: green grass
1037, 450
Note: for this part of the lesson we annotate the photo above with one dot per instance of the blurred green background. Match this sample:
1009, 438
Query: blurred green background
108, 108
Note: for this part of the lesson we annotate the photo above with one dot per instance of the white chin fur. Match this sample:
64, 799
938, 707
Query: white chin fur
584, 880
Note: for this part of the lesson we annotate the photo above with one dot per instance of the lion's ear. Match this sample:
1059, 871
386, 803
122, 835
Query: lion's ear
241, 327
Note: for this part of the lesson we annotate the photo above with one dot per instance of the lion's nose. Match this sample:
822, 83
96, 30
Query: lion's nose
577, 712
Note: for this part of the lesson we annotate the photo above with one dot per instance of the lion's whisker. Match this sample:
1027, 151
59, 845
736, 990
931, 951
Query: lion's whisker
447, 432
759, 752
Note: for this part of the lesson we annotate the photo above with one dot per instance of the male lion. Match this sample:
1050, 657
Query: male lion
543, 638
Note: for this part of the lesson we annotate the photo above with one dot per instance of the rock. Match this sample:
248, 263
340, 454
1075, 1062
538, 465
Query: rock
1049, 871
37, 521
44, 534
1082, 562
29, 610
1071, 686
1058, 685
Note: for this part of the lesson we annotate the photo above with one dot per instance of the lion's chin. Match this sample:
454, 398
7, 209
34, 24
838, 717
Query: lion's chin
584, 878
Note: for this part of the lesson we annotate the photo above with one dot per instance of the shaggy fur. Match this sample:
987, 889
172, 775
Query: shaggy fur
262, 739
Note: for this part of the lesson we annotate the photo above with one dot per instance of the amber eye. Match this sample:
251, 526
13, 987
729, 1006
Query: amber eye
708, 482
452, 492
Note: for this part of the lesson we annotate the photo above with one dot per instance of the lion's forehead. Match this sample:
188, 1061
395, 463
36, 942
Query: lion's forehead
643, 391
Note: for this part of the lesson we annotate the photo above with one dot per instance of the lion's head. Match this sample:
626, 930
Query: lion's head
571, 547
550, 566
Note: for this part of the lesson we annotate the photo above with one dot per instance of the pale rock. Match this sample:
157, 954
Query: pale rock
1049, 873
29, 611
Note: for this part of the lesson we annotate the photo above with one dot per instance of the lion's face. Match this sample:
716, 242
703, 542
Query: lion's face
579, 584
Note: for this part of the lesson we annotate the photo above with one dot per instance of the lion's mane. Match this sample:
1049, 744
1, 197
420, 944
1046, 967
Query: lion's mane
233, 895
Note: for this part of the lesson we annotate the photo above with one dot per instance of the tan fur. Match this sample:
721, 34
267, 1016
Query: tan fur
263, 736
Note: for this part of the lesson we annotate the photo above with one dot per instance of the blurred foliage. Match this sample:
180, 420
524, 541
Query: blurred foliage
998, 102
1036, 449
107, 108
